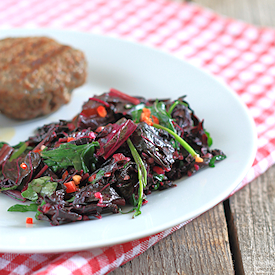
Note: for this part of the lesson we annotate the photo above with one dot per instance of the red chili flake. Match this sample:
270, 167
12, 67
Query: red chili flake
98, 195
158, 170
144, 202
37, 150
99, 129
70, 139
101, 111
92, 135
119, 157
189, 173
161, 183
107, 174
71, 187
23, 165
127, 177
29, 220
65, 174
196, 166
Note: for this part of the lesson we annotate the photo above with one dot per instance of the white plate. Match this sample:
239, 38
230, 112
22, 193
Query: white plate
137, 70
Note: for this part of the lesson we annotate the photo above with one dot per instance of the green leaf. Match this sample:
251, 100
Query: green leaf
68, 154
38, 212
209, 139
42, 186
216, 158
23, 208
71, 199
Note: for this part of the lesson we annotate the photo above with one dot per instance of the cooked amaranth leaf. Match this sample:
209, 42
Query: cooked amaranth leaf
43, 186
68, 154
23, 207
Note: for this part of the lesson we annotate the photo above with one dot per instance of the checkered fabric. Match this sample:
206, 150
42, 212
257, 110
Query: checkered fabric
240, 54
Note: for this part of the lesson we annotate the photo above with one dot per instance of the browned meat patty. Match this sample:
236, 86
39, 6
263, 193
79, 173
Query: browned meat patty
37, 76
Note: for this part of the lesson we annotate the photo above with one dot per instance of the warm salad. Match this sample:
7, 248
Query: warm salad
116, 151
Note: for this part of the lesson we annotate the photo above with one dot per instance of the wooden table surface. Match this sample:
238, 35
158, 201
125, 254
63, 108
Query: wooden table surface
237, 236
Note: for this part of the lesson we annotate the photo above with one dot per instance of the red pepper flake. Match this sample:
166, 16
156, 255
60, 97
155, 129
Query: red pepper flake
107, 174
144, 202
127, 177
23, 165
196, 166
145, 116
29, 220
77, 179
101, 111
119, 157
98, 195
99, 129
71, 187
70, 139
65, 174
92, 135
158, 170
155, 119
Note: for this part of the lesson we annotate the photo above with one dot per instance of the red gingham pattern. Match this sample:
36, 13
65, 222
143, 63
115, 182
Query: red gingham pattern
240, 54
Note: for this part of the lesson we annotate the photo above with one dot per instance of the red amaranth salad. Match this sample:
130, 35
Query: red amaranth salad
115, 152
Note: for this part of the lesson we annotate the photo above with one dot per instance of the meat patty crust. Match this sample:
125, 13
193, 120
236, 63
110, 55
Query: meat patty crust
37, 76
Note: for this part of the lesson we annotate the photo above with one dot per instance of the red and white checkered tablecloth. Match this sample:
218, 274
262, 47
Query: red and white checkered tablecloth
238, 53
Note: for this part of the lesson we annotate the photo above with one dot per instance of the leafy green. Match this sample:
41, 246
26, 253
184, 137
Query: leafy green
42, 186
216, 158
142, 176
68, 154
38, 212
23, 208
209, 138
158, 109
